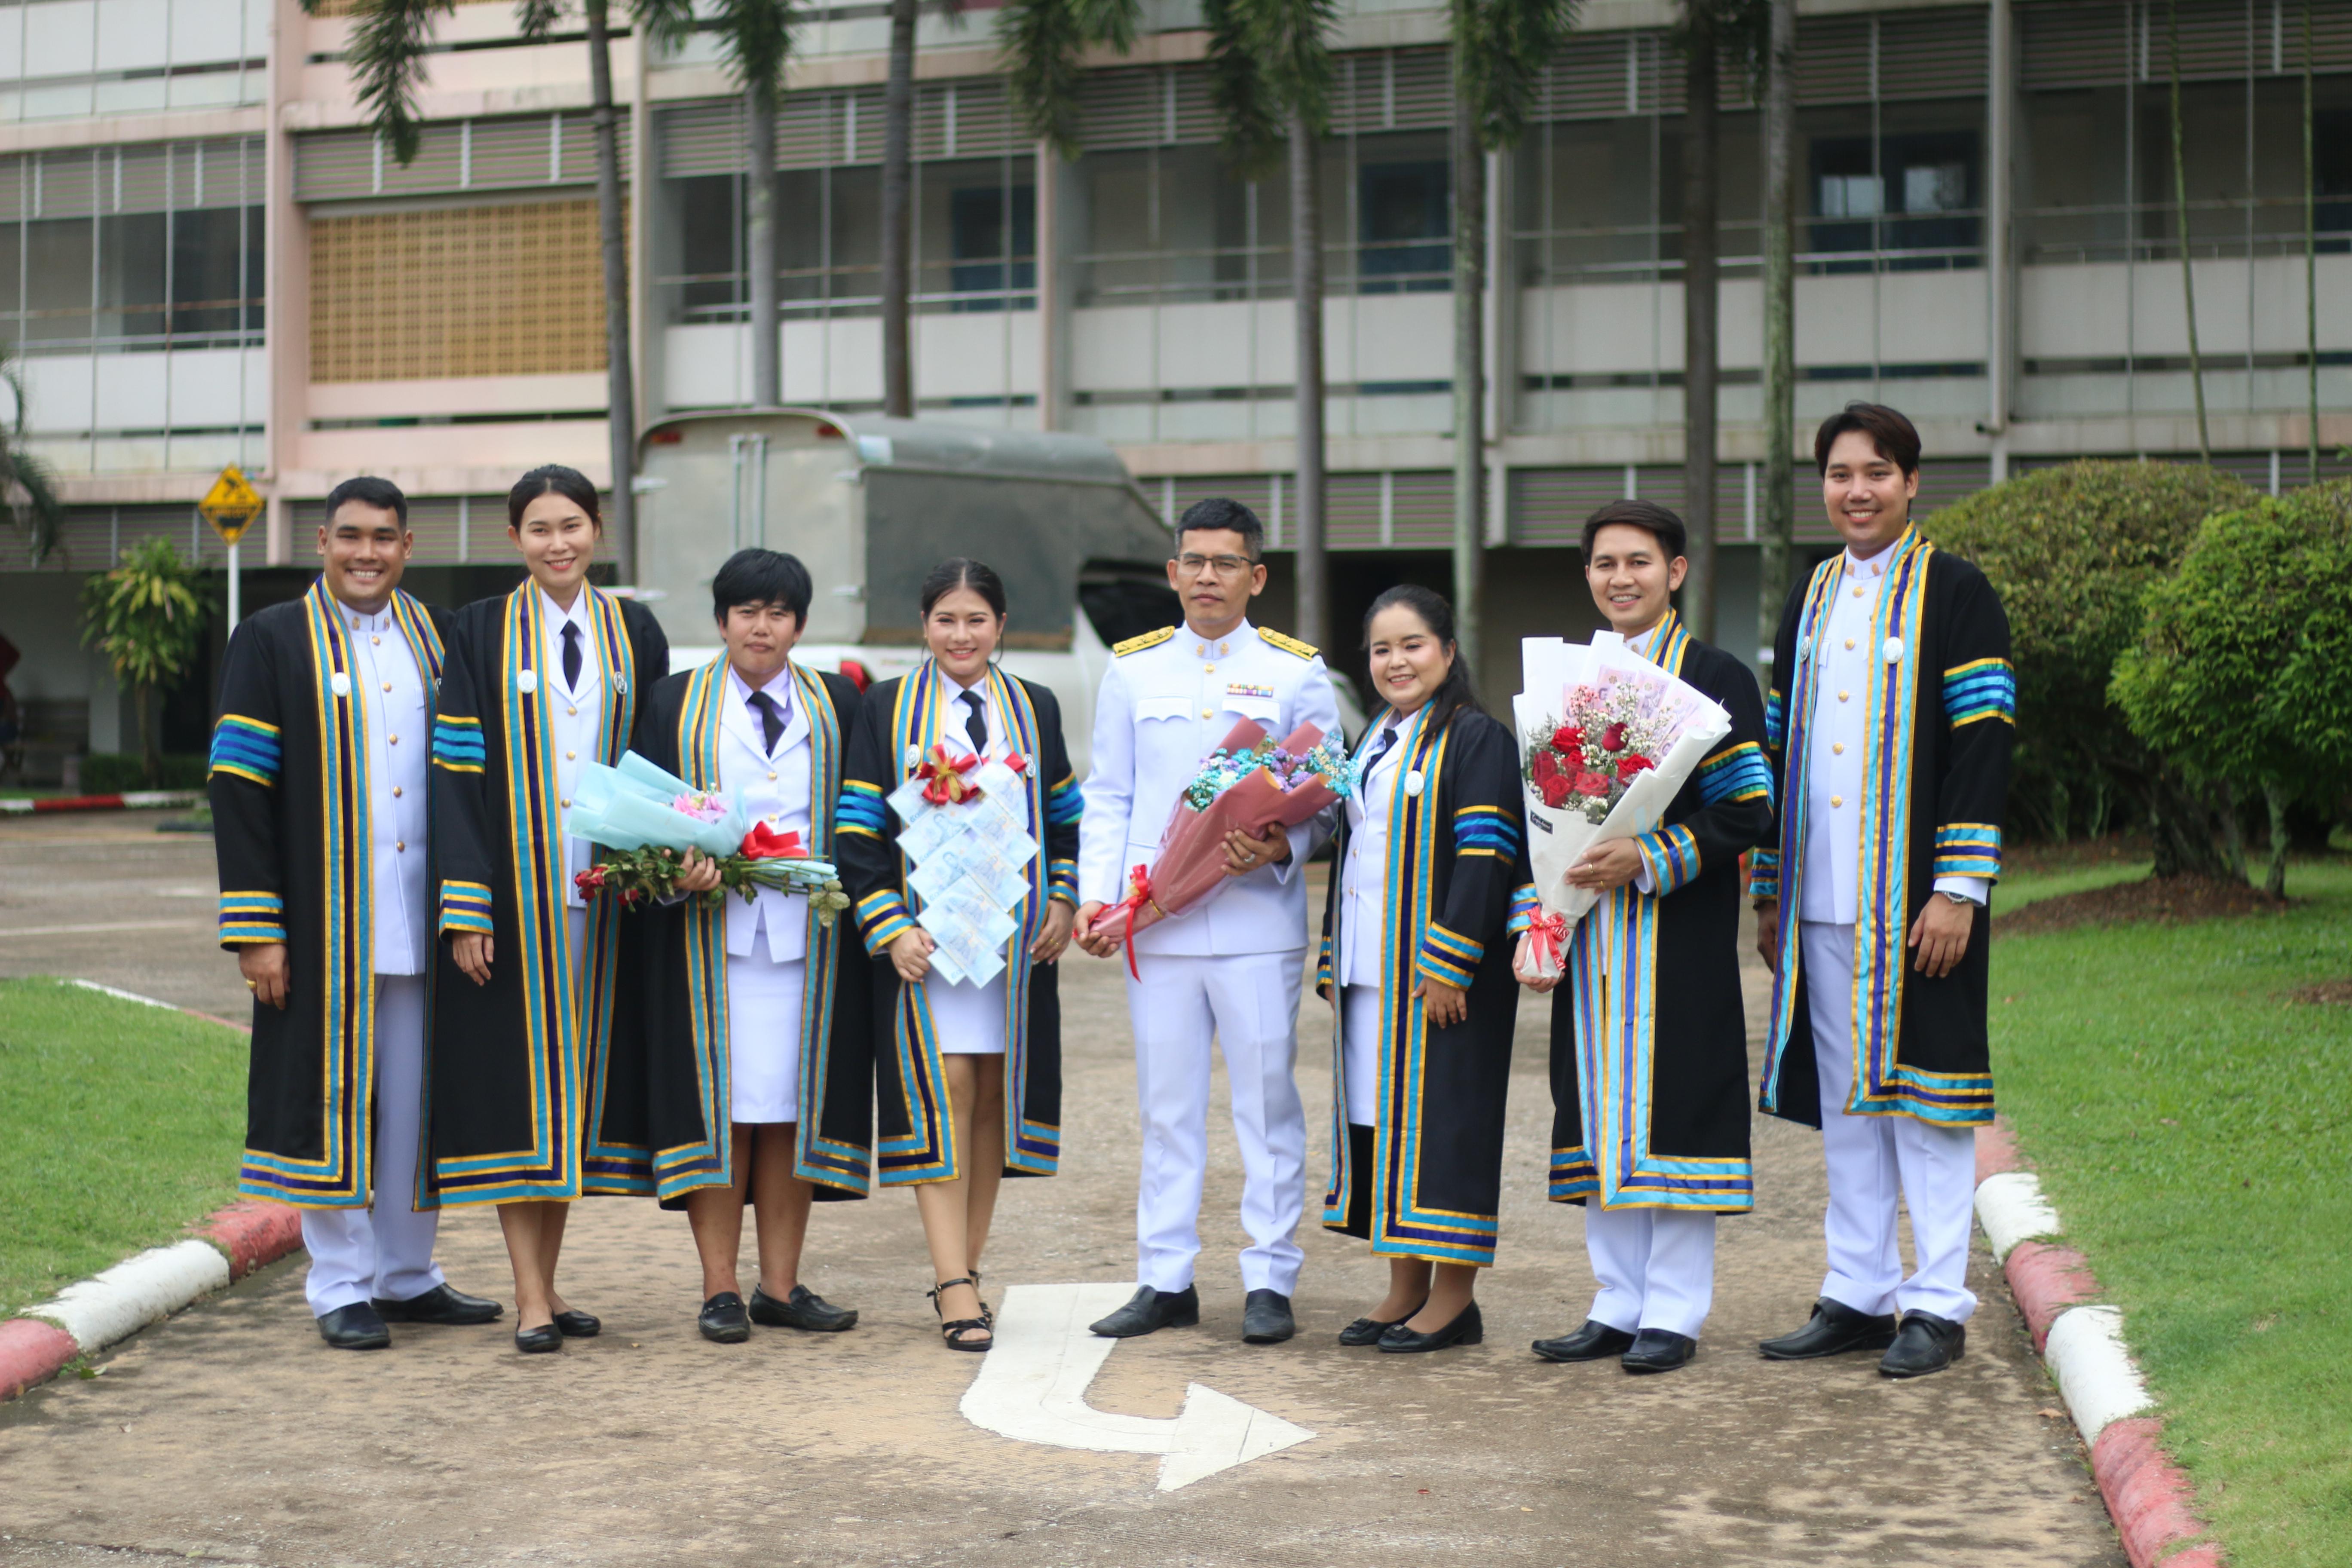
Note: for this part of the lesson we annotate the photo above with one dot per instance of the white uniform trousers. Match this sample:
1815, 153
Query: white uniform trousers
1656, 1266
384, 1252
1249, 1002
1359, 1041
763, 1036
1872, 1159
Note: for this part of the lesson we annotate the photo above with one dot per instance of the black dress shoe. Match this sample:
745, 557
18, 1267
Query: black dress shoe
803, 1309
538, 1340
575, 1324
1925, 1344
439, 1305
723, 1321
1658, 1349
1149, 1310
355, 1327
1833, 1330
1368, 1330
1467, 1329
1265, 1318
1590, 1342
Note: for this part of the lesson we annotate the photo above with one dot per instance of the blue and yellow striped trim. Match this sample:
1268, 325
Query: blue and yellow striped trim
1063, 803
249, 918
1735, 772
1062, 881
860, 808
458, 745
248, 749
1448, 957
1485, 830
1671, 855
1524, 908
1980, 689
882, 919
1968, 849
1776, 719
465, 906
1764, 874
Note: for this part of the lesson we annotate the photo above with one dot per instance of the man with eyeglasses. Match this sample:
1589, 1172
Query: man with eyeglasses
1229, 968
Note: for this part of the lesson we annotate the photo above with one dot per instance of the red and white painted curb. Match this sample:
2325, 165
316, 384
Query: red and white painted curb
129, 800
2147, 1493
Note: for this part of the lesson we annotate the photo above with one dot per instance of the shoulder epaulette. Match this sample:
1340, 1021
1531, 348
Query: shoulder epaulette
1138, 643
1288, 644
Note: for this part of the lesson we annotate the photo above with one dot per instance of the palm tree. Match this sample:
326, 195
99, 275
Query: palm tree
146, 617
2180, 232
387, 52
898, 211
1779, 531
755, 39
2310, 262
1042, 41
25, 486
1501, 48
1270, 81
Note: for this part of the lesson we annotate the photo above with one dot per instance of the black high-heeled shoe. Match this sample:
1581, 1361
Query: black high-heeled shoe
952, 1329
538, 1340
1467, 1329
575, 1324
1368, 1330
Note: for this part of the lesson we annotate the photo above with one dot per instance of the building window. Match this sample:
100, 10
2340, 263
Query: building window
1404, 227
1910, 199
992, 245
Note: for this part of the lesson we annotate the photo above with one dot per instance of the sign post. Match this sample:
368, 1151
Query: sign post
230, 506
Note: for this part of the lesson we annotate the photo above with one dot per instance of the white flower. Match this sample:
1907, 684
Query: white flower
1413, 783
527, 682
340, 684
1893, 650
913, 756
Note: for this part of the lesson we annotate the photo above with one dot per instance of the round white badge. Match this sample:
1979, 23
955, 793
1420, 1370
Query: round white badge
620, 687
1412, 784
1804, 647
1893, 650
913, 756
340, 684
527, 682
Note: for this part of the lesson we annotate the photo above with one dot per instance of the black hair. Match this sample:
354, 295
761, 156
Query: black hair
963, 573
762, 577
1457, 690
368, 491
1661, 525
1896, 437
570, 483
1222, 512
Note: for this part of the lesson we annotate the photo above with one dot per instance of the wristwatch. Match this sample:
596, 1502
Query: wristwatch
1962, 899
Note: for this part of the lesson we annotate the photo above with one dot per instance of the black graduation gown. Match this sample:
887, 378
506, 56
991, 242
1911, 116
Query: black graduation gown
1432, 1186
901, 721
518, 1069
290, 831
1942, 721
679, 1056
1649, 1037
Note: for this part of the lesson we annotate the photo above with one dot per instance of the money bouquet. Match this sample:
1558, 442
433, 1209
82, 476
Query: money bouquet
1250, 783
642, 819
1606, 740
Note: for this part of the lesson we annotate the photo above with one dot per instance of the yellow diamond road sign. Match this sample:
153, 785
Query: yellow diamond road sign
231, 505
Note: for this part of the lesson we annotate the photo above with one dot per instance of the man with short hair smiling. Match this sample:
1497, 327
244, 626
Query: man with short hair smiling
1231, 967
1891, 720
318, 824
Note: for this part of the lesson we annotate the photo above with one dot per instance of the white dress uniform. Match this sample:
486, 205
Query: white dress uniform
970, 1019
1871, 1159
1228, 969
385, 1251
575, 721
767, 938
1363, 920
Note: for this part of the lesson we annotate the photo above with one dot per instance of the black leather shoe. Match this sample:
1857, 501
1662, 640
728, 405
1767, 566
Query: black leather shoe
575, 1324
355, 1327
1658, 1349
804, 1309
1925, 1344
538, 1340
439, 1305
1368, 1330
1467, 1328
1265, 1318
723, 1321
1833, 1330
1590, 1342
1149, 1310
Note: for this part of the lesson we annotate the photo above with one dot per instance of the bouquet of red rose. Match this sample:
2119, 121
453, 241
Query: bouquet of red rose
1249, 784
643, 820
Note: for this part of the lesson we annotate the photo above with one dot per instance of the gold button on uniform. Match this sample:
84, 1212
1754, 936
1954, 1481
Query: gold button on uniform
392, 739
400, 847
1208, 669
1837, 800
378, 641
571, 756
395, 791
1842, 696
387, 686
1838, 747
1207, 713
564, 803
772, 773
572, 710
1849, 642
1857, 590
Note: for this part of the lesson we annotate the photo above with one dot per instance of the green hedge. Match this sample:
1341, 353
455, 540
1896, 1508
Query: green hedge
110, 772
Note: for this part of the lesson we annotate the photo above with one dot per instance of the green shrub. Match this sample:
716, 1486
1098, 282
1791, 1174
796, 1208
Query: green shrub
2071, 550
111, 772
2240, 678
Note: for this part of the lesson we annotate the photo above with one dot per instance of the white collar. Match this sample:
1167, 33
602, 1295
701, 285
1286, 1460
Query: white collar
555, 619
1874, 563
779, 685
1639, 642
1244, 630
382, 621
956, 689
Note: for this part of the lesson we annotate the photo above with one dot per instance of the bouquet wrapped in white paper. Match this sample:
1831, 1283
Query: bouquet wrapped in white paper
1606, 740
638, 805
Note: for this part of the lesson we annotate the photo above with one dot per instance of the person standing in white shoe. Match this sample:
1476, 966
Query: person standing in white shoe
1230, 968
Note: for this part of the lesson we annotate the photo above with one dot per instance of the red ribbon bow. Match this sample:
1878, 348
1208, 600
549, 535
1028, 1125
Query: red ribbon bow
764, 843
1138, 882
947, 785
1547, 941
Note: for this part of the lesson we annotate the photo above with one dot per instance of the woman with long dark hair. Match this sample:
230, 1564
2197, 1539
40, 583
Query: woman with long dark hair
968, 1032
525, 993
1417, 969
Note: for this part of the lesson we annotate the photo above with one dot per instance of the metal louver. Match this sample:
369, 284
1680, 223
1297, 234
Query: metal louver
508, 153
1934, 54
1833, 60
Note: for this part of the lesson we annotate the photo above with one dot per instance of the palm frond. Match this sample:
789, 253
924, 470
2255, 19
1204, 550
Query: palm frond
755, 36
1293, 37
387, 49
1501, 49
27, 487
1043, 41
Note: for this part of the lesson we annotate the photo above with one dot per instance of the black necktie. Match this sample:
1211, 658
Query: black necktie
572, 655
771, 718
975, 723
1380, 747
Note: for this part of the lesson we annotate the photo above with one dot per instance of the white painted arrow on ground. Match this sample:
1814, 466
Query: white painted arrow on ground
1033, 1388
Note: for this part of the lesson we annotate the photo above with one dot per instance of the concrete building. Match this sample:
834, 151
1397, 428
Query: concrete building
206, 256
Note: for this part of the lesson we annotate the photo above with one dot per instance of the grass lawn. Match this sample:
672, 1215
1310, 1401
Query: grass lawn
2193, 1125
118, 1124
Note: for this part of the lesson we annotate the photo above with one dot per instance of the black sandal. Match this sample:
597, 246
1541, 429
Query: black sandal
952, 1327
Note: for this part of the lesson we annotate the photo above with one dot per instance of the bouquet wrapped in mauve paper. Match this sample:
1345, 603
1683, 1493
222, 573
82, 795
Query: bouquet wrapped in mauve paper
643, 820
1606, 740
1248, 784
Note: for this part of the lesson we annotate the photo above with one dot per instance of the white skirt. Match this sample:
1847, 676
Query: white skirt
968, 1020
763, 1036
1359, 1041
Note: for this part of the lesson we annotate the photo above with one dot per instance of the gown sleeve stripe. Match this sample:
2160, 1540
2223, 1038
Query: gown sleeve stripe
247, 918
859, 809
1063, 803
1736, 773
247, 749
1764, 874
1968, 849
1776, 718
465, 906
1524, 907
1671, 855
1980, 689
458, 745
1449, 957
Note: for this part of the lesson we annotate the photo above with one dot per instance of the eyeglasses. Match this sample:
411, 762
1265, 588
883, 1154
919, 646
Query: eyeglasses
1224, 565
